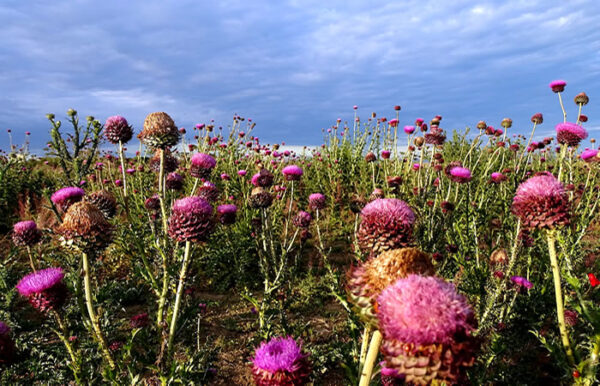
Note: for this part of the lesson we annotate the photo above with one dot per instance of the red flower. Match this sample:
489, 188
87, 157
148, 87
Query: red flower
593, 279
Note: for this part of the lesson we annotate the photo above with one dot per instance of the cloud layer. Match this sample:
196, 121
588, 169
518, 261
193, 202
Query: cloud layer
295, 66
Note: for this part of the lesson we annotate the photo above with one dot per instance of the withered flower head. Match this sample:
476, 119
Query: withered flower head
85, 228
159, 131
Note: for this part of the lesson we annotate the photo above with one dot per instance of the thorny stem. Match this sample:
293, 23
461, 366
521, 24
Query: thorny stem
62, 335
31, 261
92, 313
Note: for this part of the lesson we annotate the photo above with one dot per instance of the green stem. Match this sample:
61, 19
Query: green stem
31, 261
363, 348
62, 336
92, 313
562, 106
182, 274
122, 159
365, 376
560, 308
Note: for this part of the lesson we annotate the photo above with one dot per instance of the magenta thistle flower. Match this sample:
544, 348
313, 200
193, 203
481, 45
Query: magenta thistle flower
292, 172
302, 219
541, 202
498, 177
521, 282
208, 191
44, 288
174, 181
317, 201
589, 155
4, 329
460, 175
280, 362
385, 154
117, 129
26, 233
139, 320
558, 85
152, 203
226, 213
570, 134
409, 129
242, 173
426, 327
191, 219
386, 223
202, 165
263, 179
65, 197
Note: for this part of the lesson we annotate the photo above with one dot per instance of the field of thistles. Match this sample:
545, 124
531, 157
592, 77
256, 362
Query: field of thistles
398, 252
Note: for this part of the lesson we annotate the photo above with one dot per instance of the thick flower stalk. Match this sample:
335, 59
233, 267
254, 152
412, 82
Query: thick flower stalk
191, 221
280, 362
26, 234
542, 202
118, 131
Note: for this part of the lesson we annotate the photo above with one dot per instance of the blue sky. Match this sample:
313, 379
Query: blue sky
295, 66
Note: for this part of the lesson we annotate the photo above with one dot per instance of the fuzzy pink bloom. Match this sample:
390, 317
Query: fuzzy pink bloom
385, 154
498, 177
570, 134
521, 282
541, 202
226, 213
386, 223
117, 129
202, 165
242, 173
44, 288
558, 85
280, 361
317, 201
460, 174
191, 219
292, 172
589, 155
423, 310
393, 122
409, 129
26, 233
65, 197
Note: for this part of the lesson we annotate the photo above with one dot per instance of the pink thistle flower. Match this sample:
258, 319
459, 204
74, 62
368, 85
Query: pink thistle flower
280, 361
386, 223
208, 191
174, 181
226, 213
26, 233
44, 288
65, 197
570, 134
385, 154
393, 122
264, 178
558, 85
191, 219
292, 172
302, 219
521, 282
202, 165
242, 173
460, 175
409, 129
589, 155
541, 202
498, 177
317, 201
139, 321
117, 129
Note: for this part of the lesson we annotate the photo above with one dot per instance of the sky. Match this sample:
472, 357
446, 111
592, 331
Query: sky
295, 66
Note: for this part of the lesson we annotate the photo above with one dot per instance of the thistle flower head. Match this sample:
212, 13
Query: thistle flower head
558, 85
424, 310
260, 198
292, 172
226, 213
117, 129
159, 131
191, 219
302, 219
65, 197
409, 129
174, 181
541, 202
537, 118
386, 223
521, 282
208, 191
264, 178
570, 134
26, 233
435, 137
152, 203
280, 362
85, 227
589, 155
460, 175
103, 200
317, 201
498, 177
44, 288
170, 162
202, 165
